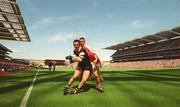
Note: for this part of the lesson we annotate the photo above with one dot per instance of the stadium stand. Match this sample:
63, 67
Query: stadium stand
12, 27
159, 50
4, 52
13, 65
7, 64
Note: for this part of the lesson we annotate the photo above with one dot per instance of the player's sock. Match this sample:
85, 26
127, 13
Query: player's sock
76, 91
100, 90
66, 89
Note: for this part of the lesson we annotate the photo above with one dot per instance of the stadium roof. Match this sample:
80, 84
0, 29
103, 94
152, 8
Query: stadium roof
4, 52
4, 48
12, 25
160, 36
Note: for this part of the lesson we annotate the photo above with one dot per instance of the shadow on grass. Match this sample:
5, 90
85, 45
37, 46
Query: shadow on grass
162, 74
140, 78
27, 75
86, 87
145, 75
58, 76
38, 81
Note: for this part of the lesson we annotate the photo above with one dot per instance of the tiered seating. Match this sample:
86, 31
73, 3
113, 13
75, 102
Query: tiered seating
160, 49
12, 27
162, 63
4, 52
163, 49
7, 64
12, 66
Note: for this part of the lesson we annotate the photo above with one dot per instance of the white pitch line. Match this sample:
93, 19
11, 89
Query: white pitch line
28, 93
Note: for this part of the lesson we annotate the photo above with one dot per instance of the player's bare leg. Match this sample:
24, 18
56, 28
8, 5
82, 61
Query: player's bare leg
85, 76
98, 80
74, 77
100, 75
98, 67
71, 80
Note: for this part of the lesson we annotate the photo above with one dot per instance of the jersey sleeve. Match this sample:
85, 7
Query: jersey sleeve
91, 54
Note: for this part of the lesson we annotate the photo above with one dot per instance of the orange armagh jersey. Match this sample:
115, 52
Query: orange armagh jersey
91, 54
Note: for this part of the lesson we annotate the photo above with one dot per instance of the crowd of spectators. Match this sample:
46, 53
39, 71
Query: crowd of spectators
12, 66
149, 48
162, 63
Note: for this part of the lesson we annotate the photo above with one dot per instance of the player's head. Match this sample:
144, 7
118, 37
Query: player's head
82, 41
76, 44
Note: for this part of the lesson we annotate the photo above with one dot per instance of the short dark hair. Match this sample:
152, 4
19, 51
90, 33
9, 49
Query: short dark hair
82, 38
76, 40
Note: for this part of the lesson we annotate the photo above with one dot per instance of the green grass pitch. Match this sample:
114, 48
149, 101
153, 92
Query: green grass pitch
123, 88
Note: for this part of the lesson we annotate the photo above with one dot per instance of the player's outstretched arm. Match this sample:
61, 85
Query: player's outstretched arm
73, 58
76, 59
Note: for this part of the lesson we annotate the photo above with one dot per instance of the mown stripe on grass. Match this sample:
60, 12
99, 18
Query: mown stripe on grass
28, 93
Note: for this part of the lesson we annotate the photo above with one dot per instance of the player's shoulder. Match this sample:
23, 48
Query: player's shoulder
89, 49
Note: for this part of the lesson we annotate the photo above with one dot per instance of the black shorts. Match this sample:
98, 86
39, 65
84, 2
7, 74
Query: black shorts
89, 68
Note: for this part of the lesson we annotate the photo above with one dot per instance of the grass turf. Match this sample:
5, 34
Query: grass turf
123, 87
